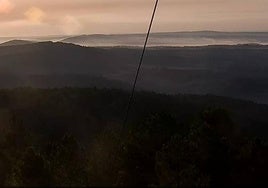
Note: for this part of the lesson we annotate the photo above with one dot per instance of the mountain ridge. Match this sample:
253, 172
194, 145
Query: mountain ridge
16, 42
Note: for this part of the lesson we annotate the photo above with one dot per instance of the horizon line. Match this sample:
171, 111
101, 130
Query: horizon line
135, 33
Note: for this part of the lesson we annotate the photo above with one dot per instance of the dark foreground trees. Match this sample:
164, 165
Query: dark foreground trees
157, 149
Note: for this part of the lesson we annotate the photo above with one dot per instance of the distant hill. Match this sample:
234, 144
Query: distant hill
197, 38
238, 71
16, 43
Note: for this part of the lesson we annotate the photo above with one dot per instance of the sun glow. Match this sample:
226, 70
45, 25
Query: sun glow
6, 6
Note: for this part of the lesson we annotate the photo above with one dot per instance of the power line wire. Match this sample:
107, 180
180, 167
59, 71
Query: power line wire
140, 65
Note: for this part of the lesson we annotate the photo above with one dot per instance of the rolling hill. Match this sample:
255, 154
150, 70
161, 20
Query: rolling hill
238, 71
16, 43
197, 38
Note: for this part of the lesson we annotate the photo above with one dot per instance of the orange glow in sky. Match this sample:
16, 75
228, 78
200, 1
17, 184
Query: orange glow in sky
56, 17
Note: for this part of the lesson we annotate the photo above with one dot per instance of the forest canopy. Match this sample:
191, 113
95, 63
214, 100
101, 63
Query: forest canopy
74, 137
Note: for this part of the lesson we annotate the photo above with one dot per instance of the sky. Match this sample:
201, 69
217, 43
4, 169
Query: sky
72, 17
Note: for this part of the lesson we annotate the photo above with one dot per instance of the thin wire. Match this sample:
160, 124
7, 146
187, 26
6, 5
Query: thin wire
140, 65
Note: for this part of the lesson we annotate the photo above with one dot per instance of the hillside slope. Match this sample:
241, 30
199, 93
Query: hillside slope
238, 71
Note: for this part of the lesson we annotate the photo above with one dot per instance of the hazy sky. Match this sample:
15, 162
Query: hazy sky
53, 17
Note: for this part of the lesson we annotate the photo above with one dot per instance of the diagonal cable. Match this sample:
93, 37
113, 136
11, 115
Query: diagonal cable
140, 65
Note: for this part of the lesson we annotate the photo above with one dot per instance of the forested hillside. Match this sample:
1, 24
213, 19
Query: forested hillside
238, 71
74, 137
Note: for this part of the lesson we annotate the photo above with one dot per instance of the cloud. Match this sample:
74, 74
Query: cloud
35, 15
6, 6
128, 16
